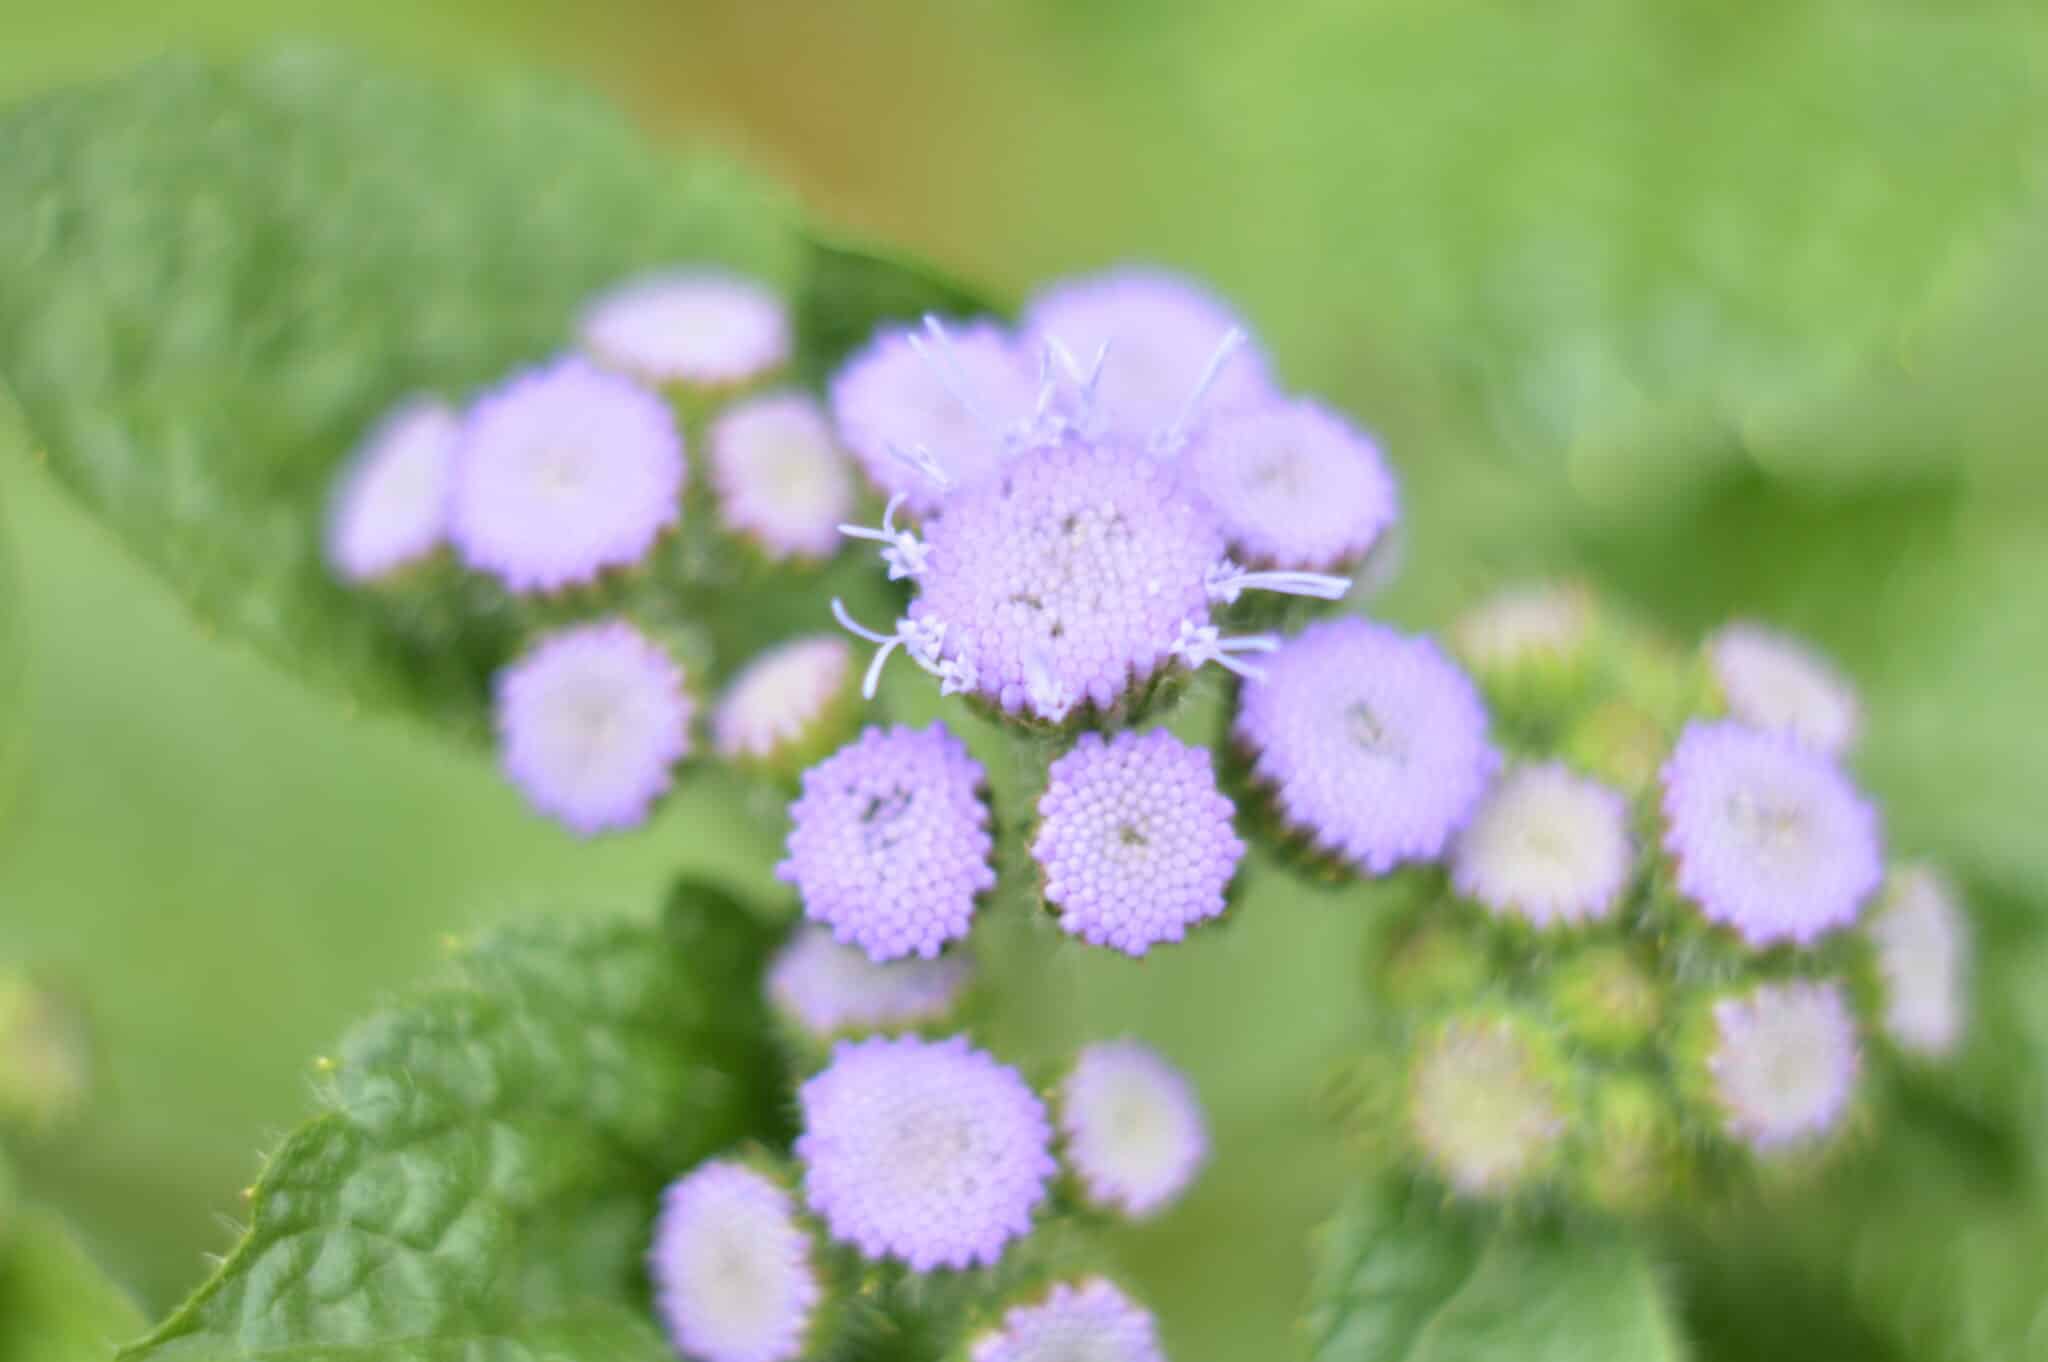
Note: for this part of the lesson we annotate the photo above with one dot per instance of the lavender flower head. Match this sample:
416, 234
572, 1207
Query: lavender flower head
1085, 1321
929, 1152
781, 480
703, 328
889, 844
391, 506
1135, 1133
778, 699
1923, 960
733, 1274
1293, 485
590, 721
1135, 840
1484, 1111
1777, 683
1784, 1063
561, 472
1548, 845
1373, 743
826, 988
1768, 836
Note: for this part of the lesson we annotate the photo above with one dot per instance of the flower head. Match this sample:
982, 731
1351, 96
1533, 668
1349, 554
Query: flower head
1546, 844
561, 472
1777, 683
590, 721
1540, 621
699, 327
1769, 837
1293, 485
929, 1152
734, 1279
889, 842
1135, 1133
780, 478
778, 700
1484, 1107
1784, 1062
391, 506
1373, 743
1135, 840
1923, 958
1084, 1321
826, 988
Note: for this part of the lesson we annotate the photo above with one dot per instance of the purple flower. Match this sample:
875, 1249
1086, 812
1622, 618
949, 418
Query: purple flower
1084, 1321
561, 472
1769, 837
1923, 960
929, 1152
889, 843
1776, 683
1484, 1106
391, 506
826, 988
1784, 1063
1135, 840
589, 723
1293, 485
1548, 845
734, 1279
699, 327
780, 479
778, 700
1135, 1133
1373, 743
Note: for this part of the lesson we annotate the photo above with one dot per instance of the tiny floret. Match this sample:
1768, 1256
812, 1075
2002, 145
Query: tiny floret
889, 843
1084, 1321
734, 1279
1135, 841
1784, 1063
1777, 683
590, 722
779, 699
391, 507
781, 480
1134, 1130
927, 1152
1923, 960
827, 989
1769, 837
704, 328
561, 472
1483, 1107
1547, 845
1294, 485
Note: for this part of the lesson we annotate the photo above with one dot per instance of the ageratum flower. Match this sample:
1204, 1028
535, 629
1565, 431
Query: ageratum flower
1135, 840
1372, 742
1768, 836
1784, 1063
1923, 959
1541, 621
1484, 1106
390, 508
826, 988
734, 1276
1134, 1130
779, 699
590, 721
928, 1152
561, 472
1777, 683
1084, 1321
781, 481
1547, 845
703, 328
1293, 485
889, 842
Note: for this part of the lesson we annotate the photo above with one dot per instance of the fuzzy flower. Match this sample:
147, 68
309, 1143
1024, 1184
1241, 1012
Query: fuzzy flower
780, 478
1085, 1321
826, 988
959, 394
1777, 683
733, 1274
1373, 743
1293, 485
703, 328
1784, 1062
929, 1152
590, 721
1923, 958
1483, 1107
1546, 620
391, 506
1547, 844
1769, 837
1165, 347
779, 698
889, 842
561, 472
1135, 1133
1135, 840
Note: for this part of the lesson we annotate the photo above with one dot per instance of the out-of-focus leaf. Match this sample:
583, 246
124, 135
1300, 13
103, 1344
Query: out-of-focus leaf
55, 1303
848, 290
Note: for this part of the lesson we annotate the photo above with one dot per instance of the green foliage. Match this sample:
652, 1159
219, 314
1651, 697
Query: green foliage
55, 1304
483, 1176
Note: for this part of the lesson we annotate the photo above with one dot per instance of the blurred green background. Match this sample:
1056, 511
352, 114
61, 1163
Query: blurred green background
1736, 308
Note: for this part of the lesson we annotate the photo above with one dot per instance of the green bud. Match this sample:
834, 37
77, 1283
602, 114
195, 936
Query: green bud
1609, 1002
1532, 649
1634, 1156
1488, 1102
1431, 963
45, 1055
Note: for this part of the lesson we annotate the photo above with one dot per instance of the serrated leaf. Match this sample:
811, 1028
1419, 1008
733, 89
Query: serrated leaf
482, 1181
55, 1303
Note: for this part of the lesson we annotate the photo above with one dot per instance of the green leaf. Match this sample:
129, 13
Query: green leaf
483, 1178
850, 289
55, 1303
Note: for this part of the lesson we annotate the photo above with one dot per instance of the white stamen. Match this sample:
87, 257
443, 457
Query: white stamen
1201, 644
904, 552
920, 458
957, 675
939, 355
1047, 694
1227, 581
919, 639
1170, 438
